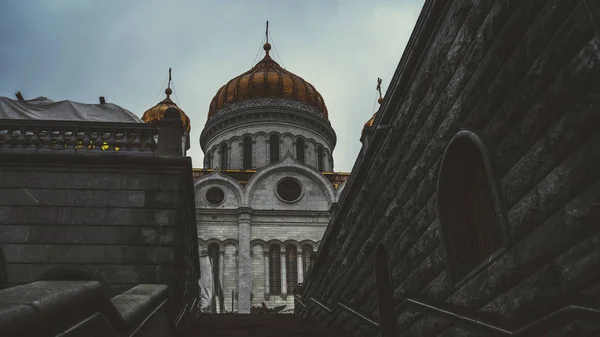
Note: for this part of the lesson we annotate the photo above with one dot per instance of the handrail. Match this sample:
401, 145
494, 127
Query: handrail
364, 318
555, 318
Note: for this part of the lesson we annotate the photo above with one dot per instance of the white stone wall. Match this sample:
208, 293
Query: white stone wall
272, 221
313, 198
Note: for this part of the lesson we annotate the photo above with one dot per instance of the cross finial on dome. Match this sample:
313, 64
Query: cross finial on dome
267, 46
379, 89
168, 91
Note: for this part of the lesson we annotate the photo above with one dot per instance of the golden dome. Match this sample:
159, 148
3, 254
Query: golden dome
157, 112
368, 124
267, 79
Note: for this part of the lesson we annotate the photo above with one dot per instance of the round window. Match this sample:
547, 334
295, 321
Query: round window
215, 196
289, 189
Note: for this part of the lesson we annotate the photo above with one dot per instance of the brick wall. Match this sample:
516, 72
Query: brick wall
129, 219
523, 77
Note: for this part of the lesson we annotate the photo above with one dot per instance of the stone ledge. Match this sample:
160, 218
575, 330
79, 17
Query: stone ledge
138, 302
48, 308
51, 306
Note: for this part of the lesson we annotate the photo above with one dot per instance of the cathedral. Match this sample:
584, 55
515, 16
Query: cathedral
267, 189
268, 186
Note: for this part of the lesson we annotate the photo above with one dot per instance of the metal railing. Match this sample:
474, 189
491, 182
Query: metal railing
553, 320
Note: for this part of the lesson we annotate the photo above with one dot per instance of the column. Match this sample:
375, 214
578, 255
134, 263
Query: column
267, 275
283, 273
221, 278
300, 268
244, 261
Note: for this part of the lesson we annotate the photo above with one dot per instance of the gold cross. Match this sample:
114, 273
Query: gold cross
267, 31
169, 78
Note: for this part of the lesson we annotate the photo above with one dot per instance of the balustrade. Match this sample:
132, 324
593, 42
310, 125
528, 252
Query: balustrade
77, 137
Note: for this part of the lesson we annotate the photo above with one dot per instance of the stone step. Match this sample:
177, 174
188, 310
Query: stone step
242, 325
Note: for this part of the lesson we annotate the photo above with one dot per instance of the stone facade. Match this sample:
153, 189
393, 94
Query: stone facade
268, 221
265, 194
508, 92
122, 219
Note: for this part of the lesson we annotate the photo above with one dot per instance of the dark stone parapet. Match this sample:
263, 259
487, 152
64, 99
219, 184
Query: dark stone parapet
123, 219
523, 77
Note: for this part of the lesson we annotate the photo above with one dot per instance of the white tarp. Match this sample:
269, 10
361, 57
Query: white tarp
206, 282
42, 108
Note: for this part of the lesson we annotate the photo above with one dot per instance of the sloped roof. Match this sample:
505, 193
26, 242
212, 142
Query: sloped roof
42, 108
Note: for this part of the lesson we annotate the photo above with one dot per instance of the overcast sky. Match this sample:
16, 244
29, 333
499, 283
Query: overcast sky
81, 49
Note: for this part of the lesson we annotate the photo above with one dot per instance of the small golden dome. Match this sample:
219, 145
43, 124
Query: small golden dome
267, 79
368, 124
157, 112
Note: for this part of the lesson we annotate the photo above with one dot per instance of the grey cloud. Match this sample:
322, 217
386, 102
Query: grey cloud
79, 50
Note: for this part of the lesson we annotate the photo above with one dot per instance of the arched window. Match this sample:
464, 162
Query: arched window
224, 156
300, 150
320, 159
275, 270
383, 285
306, 251
209, 160
274, 147
291, 267
468, 211
213, 253
247, 153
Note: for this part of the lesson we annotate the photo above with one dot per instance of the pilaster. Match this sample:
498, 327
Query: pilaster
244, 261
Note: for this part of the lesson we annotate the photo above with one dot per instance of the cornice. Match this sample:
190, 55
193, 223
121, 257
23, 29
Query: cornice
258, 212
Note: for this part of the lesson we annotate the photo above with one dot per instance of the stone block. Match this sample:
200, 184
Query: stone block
14, 233
139, 181
33, 179
87, 216
169, 182
55, 234
47, 253
165, 274
33, 197
35, 215
144, 217
165, 217
165, 236
4, 214
26, 272
577, 266
126, 198
139, 255
92, 198
149, 235
106, 180
126, 274
156, 199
